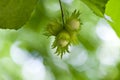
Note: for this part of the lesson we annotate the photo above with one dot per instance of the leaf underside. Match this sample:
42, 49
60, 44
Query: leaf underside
15, 13
113, 11
97, 6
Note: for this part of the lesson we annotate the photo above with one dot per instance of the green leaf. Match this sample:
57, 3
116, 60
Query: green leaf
98, 6
113, 10
15, 13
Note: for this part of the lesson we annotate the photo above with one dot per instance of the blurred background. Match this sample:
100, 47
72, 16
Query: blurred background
26, 54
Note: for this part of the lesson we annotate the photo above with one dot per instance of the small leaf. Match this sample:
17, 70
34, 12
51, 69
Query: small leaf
98, 6
15, 13
113, 10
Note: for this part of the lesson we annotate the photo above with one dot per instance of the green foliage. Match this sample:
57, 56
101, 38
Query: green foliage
15, 13
83, 62
9, 70
112, 10
98, 6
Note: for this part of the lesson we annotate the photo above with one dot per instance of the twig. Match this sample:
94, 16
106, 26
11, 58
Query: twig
62, 13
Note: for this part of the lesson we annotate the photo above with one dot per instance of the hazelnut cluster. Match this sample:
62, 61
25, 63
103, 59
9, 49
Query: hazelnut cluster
65, 34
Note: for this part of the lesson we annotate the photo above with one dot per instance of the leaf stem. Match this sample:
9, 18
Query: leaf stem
62, 13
